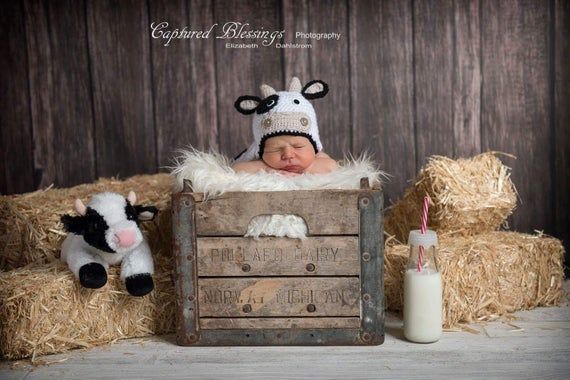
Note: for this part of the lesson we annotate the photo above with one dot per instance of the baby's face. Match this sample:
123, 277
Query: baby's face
290, 153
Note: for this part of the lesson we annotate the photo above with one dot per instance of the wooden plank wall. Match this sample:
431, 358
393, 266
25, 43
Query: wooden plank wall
560, 106
86, 92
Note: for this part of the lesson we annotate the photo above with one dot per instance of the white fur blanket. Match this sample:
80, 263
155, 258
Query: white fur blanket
211, 174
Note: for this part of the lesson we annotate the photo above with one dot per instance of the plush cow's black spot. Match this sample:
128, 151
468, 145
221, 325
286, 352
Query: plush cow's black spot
131, 212
267, 104
74, 224
139, 285
296, 101
92, 275
94, 232
91, 226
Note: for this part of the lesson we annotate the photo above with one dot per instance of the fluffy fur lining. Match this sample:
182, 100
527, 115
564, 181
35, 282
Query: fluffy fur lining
211, 174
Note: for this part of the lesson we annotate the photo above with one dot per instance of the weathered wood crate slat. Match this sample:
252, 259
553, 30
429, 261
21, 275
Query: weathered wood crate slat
271, 323
279, 296
334, 255
230, 214
323, 290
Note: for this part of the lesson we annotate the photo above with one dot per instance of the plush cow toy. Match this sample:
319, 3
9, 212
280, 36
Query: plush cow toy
107, 232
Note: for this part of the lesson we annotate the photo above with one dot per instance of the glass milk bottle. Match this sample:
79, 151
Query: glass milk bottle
422, 290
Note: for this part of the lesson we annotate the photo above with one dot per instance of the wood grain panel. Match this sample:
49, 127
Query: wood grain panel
562, 122
184, 83
201, 16
60, 89
433, 44
230, 213
16, 165
382, 87
242, 71
467, 78
296, 62
279, 297
515, 104
279, 323
120, 65
278, 257
326, 60
329, 62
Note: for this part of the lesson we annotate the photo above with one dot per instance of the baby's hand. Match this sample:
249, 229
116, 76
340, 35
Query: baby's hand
323, 164
250, 166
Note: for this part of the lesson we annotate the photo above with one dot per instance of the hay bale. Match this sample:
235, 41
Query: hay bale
30, 228
469, 196
487, 275
44, 310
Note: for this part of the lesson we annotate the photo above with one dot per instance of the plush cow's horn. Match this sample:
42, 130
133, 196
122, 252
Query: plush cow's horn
267, 90
80, 207
132, 197
295, 84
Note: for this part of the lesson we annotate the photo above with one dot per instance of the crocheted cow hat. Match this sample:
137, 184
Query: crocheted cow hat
282, 113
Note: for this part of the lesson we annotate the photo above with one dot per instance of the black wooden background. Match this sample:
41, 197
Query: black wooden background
87, 92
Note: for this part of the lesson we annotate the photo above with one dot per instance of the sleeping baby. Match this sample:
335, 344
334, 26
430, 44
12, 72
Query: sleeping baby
285, 131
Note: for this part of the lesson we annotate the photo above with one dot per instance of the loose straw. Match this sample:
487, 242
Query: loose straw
423, 231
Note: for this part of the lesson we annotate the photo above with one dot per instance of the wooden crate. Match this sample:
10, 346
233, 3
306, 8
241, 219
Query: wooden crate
325, 290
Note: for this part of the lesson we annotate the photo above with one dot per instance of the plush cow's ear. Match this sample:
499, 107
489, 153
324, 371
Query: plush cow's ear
146, 212
315, 89
74, 224
247, 104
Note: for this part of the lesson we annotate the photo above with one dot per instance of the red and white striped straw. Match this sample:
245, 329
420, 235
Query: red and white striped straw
423, 229
425, 214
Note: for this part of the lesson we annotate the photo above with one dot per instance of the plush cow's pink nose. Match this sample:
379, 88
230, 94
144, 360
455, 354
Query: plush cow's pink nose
125, 238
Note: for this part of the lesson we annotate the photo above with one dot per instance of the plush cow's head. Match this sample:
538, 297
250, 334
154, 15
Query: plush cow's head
284, 112
110, 222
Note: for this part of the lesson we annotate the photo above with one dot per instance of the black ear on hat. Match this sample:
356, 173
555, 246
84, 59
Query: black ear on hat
315, 89
247, 104
146, 212
74, 224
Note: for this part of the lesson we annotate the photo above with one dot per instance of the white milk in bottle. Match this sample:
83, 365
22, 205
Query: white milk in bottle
422, 290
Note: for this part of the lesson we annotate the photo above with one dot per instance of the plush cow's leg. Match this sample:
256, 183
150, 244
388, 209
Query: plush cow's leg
91, 270
137, 269
93, 275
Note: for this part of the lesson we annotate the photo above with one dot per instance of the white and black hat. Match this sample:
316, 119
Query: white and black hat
282, 113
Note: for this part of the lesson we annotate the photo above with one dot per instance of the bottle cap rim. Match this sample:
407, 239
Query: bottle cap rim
428, 239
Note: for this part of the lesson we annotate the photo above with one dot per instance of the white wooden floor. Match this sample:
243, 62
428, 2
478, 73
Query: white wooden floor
535, 346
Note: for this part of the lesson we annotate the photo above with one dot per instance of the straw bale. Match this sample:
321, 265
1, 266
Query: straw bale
30, 228
44, 310
468, 197
487, 275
